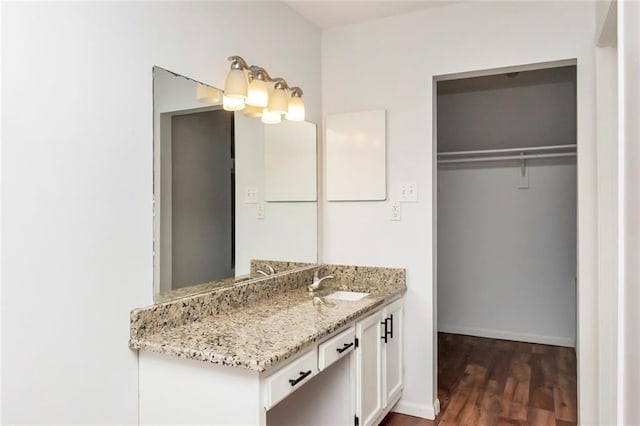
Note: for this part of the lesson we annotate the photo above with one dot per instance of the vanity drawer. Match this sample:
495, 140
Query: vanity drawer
336, 347
290, 378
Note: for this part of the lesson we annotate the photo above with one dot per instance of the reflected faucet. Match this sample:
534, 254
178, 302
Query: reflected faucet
269, 271
317, 281
321, 301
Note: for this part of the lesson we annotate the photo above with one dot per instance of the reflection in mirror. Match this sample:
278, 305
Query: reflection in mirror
217, 175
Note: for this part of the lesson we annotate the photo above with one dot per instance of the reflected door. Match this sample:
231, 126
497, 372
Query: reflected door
202, 234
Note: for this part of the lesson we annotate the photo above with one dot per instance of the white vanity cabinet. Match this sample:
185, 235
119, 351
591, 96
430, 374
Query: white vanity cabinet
290, 378
353, 376
392, 354
369, 368
378, 363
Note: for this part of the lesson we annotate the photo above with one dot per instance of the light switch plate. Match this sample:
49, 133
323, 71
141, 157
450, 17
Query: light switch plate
251, 194
408, 192
396, 211
260, 211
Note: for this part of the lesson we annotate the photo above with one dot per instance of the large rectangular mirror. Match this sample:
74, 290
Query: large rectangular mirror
217, 177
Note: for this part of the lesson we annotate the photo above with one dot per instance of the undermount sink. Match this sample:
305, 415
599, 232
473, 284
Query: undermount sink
351, 296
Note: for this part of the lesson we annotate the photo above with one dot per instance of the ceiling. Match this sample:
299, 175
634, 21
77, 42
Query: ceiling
327, 14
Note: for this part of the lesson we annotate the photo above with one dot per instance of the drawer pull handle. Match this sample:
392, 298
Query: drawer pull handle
388, 328
303, 374
344, 348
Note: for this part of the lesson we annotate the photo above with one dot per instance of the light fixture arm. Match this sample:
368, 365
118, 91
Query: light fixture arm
280, 83
259, 73
237, 63
255, 71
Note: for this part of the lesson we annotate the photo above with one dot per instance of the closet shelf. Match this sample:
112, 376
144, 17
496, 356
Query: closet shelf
526, 153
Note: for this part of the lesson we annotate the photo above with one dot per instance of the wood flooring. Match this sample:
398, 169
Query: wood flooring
499, 382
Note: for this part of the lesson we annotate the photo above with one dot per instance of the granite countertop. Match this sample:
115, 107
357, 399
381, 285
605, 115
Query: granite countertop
261, 334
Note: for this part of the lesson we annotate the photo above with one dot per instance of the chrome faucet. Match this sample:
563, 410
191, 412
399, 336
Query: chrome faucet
317, 281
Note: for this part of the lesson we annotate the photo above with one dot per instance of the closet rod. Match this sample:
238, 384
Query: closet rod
507, 157
507, 150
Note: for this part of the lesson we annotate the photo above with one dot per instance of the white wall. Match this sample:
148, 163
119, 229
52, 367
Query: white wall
390, 64
507, 256
77, 188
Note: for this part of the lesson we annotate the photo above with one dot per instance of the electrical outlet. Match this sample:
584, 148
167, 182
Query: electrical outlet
408, 192
396, 212
260, 211
251, 194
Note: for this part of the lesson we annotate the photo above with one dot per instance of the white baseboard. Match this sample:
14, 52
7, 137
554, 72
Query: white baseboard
507, 335
424, 411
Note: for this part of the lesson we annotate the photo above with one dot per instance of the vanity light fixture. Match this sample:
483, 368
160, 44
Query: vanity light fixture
247, 88
257, 91
279, 101
269, 117
207, 94
235, 85
296, 106
252, 111
232, 104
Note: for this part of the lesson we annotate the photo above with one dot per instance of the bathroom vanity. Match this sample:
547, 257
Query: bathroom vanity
267, 351
234, 340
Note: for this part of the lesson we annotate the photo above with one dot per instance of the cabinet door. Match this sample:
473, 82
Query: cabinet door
369, 368
393, 352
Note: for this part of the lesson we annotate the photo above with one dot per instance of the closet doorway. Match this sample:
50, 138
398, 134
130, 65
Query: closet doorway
506, 209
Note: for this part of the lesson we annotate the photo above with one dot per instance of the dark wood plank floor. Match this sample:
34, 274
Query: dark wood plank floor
498, 382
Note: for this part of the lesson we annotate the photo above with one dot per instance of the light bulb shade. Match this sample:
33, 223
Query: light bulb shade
296, 109
252, 111
257, 93
269, 117
207, 94
232, 104
278, 101
236, 84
